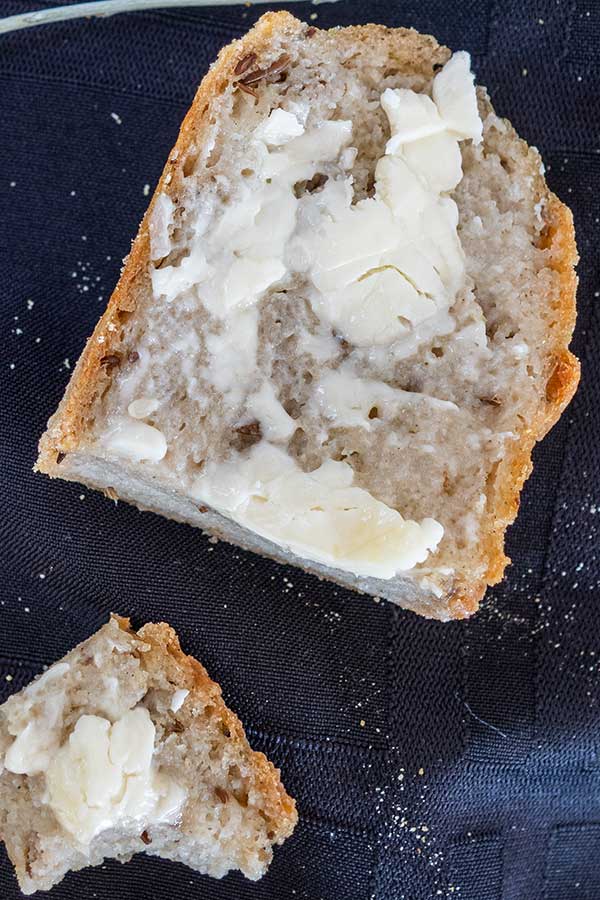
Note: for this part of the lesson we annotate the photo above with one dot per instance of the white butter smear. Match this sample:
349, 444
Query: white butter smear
347, 400
135, 439
36, 738
318, 515
382, 272
394, 261
102, 777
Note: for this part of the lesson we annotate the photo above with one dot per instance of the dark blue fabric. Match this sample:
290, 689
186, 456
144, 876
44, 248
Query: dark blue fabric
428, 760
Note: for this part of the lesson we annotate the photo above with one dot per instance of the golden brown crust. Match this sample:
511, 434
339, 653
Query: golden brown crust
407, 50
166, 656
507, 480
563, 377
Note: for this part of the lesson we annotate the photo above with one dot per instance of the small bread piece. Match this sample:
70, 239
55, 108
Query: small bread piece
286, 427
126, 746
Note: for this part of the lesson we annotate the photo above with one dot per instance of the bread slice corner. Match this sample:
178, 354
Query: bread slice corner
230, 806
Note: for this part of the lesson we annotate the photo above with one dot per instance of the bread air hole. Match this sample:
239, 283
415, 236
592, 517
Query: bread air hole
449, 486
189, 164
310, 186
299, 442
292, 408
241, 797
352, 457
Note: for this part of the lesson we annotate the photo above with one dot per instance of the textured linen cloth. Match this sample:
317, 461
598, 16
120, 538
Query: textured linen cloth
429, 760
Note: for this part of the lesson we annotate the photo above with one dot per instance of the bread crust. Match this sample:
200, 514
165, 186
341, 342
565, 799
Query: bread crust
188, 674
505, 485
411, 50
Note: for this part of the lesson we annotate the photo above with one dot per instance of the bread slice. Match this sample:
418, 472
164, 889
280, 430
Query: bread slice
257, 412
126, 746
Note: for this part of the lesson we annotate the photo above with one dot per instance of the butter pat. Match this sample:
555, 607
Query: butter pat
379, 308
280, 128
178, 699
103, 777
275, 424
143, 407
455, 97
437, 160
392, 263
160, 225
31, 750
411, 116
320, 515
136, 440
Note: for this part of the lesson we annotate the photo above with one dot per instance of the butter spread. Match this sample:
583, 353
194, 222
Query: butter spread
319, 515
143, 407
389, 263
382, 273
276, 424
378, 268
136, 440
347, 400
35, 737
178, 699
103, 776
